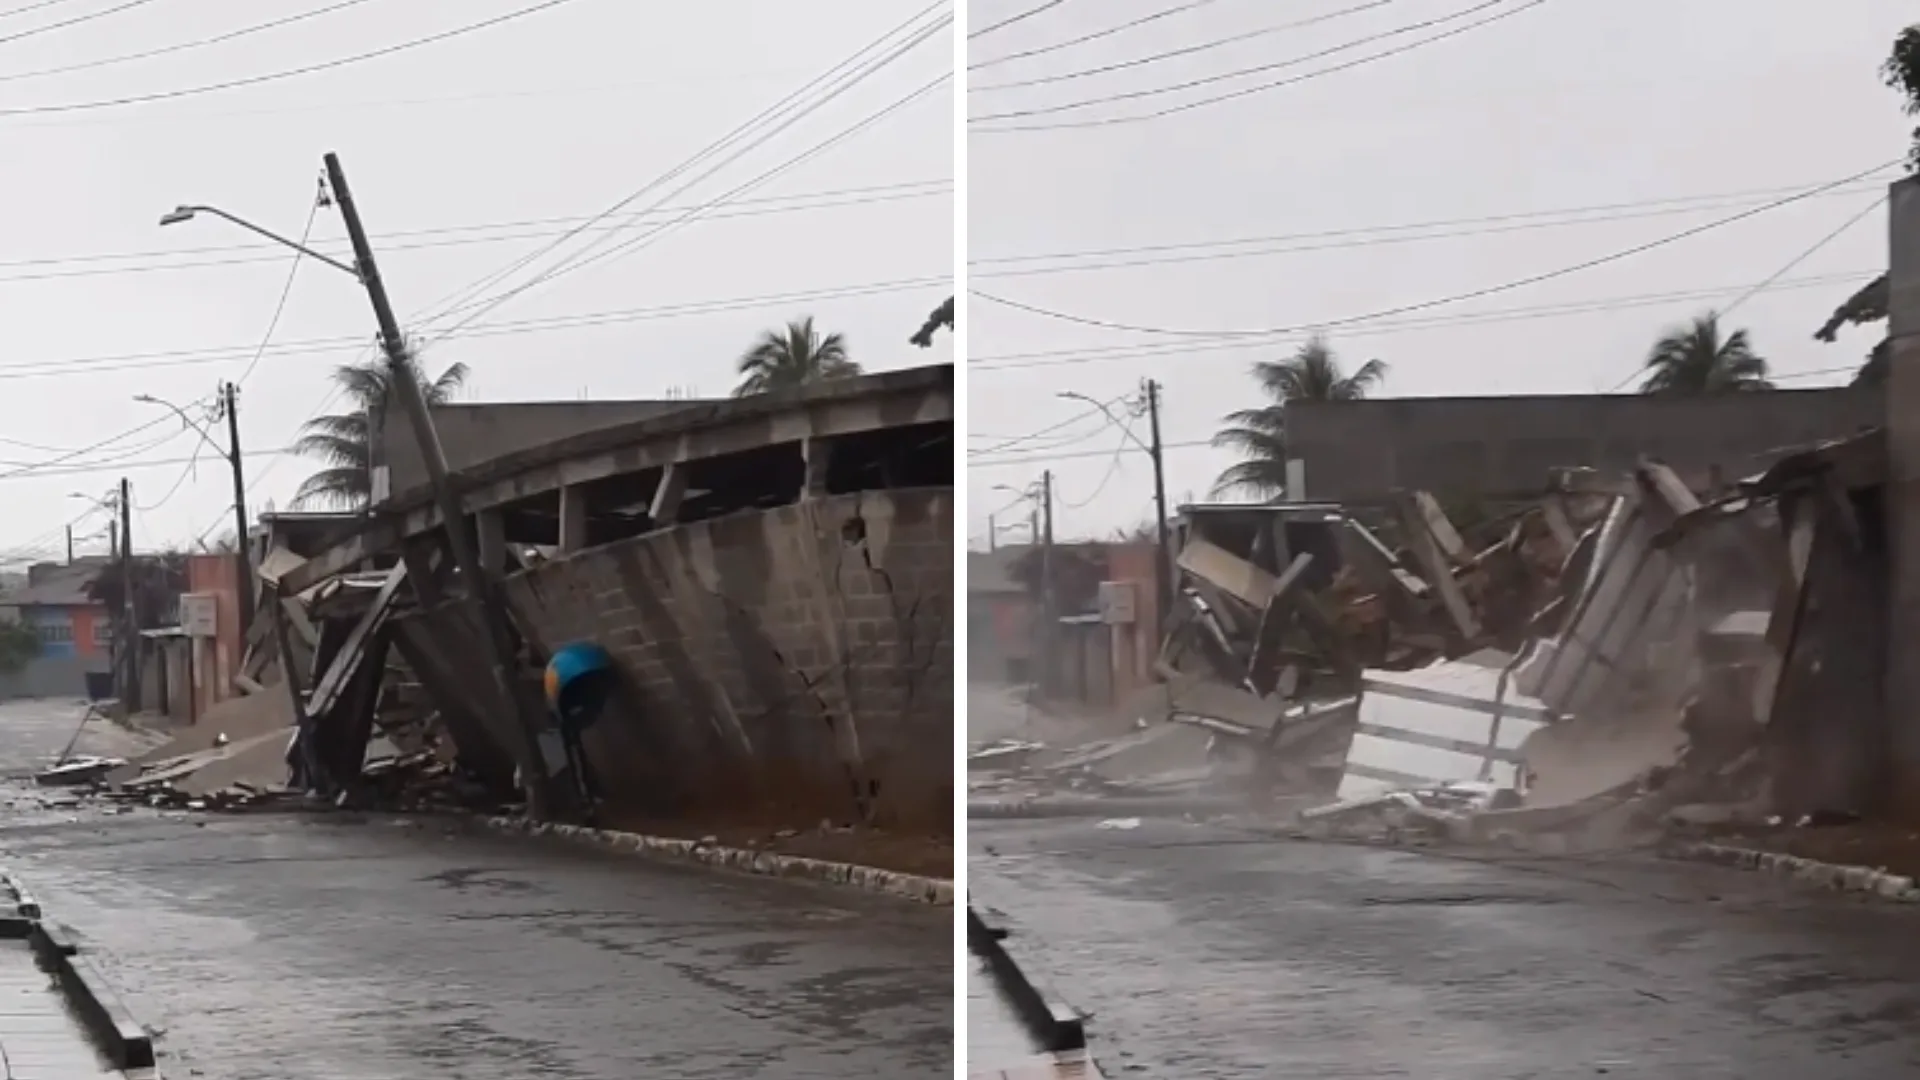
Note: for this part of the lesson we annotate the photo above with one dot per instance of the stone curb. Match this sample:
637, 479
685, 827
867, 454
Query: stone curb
1050, 1020
926, 890
22, 901
127, 1042
1860, 879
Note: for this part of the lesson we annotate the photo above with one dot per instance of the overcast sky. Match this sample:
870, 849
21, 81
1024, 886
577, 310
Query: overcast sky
556, 115
1564, 105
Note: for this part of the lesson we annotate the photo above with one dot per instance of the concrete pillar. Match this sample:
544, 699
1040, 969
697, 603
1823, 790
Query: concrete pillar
819, 456
1903, 498
490, 529
665, 508
573, 518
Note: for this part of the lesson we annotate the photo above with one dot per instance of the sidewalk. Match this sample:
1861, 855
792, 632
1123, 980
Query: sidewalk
38, 1034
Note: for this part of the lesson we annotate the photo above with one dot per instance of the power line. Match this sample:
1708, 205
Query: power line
1102, 354
449, 303
1758, 287
644, 239
70, 455
1205, 46
1113, 469
276, 76
856, 196
152, 463
52, 368
286, 290
165, 50
1011, 19
1475, 294
1406, 232
1084, 38
1030, 436
1216, 99
90, 16
581, 259
25, 8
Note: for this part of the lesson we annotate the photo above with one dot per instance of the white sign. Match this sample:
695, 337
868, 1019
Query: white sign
1117, 603
199, 614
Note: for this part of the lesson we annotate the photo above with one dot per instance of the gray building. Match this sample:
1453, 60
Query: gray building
1360, 451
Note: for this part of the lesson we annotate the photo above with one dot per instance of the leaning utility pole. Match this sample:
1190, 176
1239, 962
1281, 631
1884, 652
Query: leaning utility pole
1163, 564
533, 768
69, 545
129, 613
243, 554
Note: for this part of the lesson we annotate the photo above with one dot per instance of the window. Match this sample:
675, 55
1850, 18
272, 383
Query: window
54, 633
103, 633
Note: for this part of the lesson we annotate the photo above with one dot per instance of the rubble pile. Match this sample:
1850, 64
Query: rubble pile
1622, 658
337, 717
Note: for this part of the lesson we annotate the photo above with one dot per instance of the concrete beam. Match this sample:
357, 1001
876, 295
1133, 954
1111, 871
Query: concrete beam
869, 403
665, 508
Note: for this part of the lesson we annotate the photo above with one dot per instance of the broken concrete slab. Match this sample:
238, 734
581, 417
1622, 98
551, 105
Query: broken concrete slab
1455, 721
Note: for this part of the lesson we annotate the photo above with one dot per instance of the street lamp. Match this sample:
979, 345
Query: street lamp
1163, 565
187, 213
406, 384
242, 551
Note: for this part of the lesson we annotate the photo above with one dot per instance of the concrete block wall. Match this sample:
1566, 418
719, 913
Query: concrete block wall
787, 665
1506, 446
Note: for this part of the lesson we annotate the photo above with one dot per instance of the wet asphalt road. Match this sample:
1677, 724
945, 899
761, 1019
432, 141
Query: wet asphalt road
291, 947
1205, 950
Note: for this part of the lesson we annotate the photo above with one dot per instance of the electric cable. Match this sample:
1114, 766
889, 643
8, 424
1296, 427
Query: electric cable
858, 196
277, 76
1475, 294
1205, 46
1045, 5
1231, 95
91, 16
167, 50
581, 259
442, 307
286, 290
1094, 36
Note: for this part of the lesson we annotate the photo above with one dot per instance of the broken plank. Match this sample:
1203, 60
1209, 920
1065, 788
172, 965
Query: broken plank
1265, 665
1439, 574
331, 685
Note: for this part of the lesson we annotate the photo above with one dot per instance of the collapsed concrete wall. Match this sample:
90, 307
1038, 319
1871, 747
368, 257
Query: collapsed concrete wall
790, 664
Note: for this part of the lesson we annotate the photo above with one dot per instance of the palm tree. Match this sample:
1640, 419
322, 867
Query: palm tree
345, 440
795, 355
1311, 374
1696, 359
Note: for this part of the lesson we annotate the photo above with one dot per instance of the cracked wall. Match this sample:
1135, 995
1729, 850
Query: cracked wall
784, 666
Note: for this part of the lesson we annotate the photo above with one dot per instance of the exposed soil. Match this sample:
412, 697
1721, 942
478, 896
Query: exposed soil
925, 855
1883, 847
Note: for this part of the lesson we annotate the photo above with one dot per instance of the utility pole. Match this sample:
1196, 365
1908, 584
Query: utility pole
69, 545
1049, 617
993, 538
129, 613
243, 555
533, 769
1163, 564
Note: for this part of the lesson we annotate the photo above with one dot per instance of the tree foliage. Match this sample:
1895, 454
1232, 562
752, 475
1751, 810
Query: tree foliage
1870, 303
1699, 359
941, 317
1902, 72
1258, 434
19, 644
792, 356
344, 441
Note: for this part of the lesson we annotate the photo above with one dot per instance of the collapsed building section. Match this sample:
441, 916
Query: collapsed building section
1687, 650
771, 576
